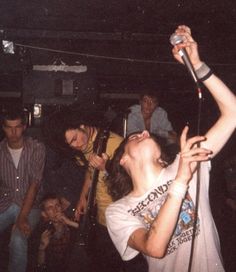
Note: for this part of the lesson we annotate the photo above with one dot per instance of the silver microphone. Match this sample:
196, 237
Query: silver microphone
177, 39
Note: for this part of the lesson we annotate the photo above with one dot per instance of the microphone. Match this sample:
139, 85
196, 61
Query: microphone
177, 39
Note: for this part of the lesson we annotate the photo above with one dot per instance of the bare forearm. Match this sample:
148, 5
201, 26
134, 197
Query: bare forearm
163, 226
225, 99
220, 132
41, 256
29, 199
155, 241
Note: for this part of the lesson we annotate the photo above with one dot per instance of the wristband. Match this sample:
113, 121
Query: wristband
178, 189
203, 72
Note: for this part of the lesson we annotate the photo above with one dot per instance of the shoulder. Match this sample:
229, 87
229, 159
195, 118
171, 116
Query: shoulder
3, 144
117, 208
135, 109
114, 140
118, 215
160, 110
115, 137
34, 144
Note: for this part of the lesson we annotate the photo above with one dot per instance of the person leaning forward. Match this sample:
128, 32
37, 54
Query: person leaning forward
76, 131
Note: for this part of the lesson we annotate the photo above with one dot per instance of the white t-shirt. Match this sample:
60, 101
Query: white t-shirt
15, 154
130, 213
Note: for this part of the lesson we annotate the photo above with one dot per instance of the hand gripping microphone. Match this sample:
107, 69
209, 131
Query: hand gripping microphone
177, 39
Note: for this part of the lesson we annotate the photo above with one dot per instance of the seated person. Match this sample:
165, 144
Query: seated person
57, 237
150, 116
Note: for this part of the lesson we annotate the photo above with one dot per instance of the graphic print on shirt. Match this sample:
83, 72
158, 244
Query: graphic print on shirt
148, 209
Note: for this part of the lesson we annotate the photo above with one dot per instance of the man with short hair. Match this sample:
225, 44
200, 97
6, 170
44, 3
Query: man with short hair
57, 237
21, 169
150, 116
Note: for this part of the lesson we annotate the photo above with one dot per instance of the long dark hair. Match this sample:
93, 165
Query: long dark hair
57, 123
119, 182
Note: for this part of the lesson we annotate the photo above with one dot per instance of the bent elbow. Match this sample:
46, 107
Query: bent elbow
156, 252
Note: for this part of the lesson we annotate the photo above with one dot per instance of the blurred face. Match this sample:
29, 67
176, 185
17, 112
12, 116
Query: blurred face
77, 139
148, 105
140, 147
52, 208
13, 130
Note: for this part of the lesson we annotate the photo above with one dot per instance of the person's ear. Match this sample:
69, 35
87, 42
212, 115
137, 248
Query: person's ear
123, 160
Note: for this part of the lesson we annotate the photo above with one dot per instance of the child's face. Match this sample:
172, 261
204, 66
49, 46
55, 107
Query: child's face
52, 208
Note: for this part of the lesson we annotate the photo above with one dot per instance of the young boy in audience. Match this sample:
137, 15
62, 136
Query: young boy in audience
57, 238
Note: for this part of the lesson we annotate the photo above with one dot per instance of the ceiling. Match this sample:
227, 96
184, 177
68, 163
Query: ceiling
121, 36
125, 44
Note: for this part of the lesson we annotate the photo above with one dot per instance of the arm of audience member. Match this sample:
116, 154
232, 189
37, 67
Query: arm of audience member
44, 242
65, 203
154, 242
36, 162
68, 221
220, 132
22, 219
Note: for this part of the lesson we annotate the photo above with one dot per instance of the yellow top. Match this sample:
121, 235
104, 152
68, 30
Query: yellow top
103, 199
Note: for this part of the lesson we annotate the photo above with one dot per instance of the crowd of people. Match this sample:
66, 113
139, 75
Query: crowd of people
148, 215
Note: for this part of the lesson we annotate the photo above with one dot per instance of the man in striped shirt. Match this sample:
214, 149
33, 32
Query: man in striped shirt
21, 169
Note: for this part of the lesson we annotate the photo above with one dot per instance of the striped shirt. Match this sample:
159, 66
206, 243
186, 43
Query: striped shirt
14, 182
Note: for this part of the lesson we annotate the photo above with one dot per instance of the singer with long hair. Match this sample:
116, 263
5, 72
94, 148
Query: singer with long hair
155, 207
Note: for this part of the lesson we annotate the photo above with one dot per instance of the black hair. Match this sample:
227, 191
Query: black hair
68, 117
151, 93
13, 113
118, 182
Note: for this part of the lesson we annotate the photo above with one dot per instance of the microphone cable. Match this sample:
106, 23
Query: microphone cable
199, 113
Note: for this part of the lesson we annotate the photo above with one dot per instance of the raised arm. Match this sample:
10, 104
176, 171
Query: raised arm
220, 132
154, 242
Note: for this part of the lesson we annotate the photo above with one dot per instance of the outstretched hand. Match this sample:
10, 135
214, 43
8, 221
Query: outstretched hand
191, 153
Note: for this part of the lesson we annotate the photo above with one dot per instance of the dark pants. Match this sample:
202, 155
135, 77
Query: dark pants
102, 256
108, 258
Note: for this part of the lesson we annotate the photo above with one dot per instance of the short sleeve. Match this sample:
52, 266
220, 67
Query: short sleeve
120, 226
37, 162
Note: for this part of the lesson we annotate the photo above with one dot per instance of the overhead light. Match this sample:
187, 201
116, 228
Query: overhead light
8, 47
37, 110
